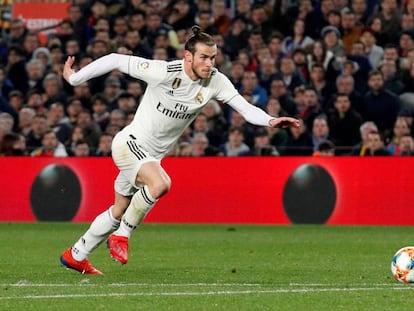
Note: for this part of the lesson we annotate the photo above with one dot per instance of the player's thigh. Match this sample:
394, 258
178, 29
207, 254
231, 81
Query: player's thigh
153, 174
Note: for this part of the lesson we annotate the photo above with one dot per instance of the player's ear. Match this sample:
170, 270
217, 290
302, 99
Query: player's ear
188, 57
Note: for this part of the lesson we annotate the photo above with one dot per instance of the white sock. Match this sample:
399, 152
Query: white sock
141, 204
99, 229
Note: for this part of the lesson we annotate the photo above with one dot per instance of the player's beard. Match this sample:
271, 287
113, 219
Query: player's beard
196, 73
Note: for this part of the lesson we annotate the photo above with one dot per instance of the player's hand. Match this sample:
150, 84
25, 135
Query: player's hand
284, 122
67, 68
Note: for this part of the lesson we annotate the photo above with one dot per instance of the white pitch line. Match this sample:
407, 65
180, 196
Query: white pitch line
24, 283
208, 293
86, 284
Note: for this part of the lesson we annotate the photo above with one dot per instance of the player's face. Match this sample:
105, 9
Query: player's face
203, 61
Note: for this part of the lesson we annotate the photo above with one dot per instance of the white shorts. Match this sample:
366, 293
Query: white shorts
128, 156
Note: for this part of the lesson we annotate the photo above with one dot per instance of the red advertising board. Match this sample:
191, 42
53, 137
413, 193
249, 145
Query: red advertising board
244, 190
41, 15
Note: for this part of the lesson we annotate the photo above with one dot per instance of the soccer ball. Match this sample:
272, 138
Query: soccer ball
402, 265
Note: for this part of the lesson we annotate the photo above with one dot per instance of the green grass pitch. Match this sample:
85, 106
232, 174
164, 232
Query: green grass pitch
208, 267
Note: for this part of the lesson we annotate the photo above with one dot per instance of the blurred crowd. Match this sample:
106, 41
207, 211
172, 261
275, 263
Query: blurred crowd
344, 68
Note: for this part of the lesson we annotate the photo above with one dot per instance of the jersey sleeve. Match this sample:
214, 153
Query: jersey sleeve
225, 90
150, 71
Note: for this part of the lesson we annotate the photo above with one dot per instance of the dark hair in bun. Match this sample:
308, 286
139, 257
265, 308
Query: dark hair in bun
198, 37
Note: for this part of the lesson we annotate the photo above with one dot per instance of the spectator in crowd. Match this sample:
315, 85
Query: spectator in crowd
16, 68
76, 135
380, 105
375, 52
182, 15
53, 86
407, 116
18, 31
26, 116
91, 130
344, 123
321, 55
237, 121
118, 118
298, 38
324, 88
331, 37
392, 79
250, 86
43, 54
320, 131
134, 43
83, 93
326, 148
51, 146
400, 129
389, 16
38, 129
318, 18
236, 37
36, 71
351, 30
235, 145
201, 125
30, 43
112, 90
16, 102
299, 142
299, 56
358, 65
6, 86
100, 110
376, 145
274, 43
58, 122
334, 18
406, 145
361, 148
104, 146
222, 20
279, 90
13, 144
289, 73
236, 74
76, 17
205, 20
312, 107
360, 10
199, 145
81, 149
262, 145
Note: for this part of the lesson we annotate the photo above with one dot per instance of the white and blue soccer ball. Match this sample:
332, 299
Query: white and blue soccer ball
402, 265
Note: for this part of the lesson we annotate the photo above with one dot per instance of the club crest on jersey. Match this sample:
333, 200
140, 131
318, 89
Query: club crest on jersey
199, 98
176, 83
143, 66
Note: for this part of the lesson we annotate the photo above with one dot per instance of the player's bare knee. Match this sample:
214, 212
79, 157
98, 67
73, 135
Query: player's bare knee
160, 188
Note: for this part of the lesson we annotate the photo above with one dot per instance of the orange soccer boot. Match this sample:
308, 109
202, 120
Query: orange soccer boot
83, 266
118, 248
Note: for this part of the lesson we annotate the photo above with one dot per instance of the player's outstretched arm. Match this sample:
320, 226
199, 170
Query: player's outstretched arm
284, 122
97, 68
257, 116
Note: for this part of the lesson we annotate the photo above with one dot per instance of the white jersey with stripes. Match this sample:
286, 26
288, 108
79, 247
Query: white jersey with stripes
171, 100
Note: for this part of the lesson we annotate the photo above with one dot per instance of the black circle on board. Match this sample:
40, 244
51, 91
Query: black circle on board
309, 195
55, 194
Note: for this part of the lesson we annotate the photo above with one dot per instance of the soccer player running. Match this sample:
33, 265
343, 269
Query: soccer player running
176, 93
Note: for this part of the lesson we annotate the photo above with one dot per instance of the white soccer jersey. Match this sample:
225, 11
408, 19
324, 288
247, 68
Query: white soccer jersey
171, 101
